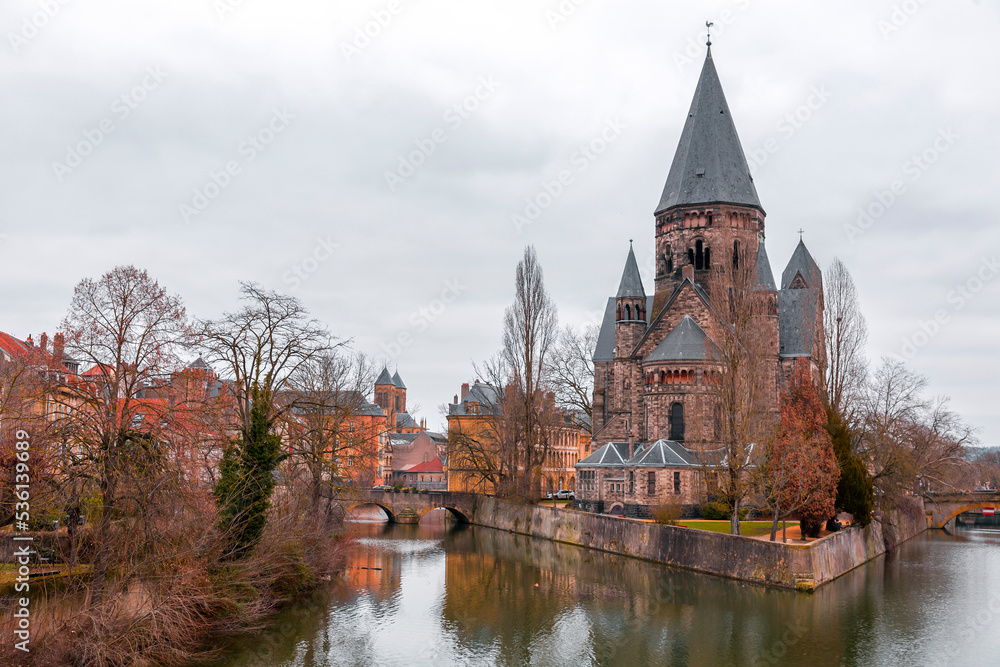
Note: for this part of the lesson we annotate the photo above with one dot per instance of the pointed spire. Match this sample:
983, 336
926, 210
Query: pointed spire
398, 381
384, 377
709, 165
802, 264
765, 276
631, 285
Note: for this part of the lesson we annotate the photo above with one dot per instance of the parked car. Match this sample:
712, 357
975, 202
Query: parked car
563, 494
382, 487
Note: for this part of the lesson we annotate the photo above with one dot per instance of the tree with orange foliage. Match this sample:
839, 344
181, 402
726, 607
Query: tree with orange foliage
799, 471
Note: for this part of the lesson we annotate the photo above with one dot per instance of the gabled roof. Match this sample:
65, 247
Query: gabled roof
371, 410
613, 454
709, 165
384, 378
802, 263
765, 276
199, 364
797, 313
604, 350
665, 454
403, 439
398, 381
434, 465
404, 420
701, 294
686, 342
631, 284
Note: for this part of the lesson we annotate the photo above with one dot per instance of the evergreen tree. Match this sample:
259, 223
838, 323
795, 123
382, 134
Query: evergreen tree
246, 479
855, 491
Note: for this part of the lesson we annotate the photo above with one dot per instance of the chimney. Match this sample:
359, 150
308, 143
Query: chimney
688, 272
58, 344
465, 390
30, 341
455, 402
44, 342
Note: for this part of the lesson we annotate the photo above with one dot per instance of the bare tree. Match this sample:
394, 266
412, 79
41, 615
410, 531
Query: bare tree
128, 330
572, 369
507, 449
745, 390
846, 337
332, 435
909, 443
260, 347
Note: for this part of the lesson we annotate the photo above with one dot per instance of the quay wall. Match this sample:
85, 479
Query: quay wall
803, 567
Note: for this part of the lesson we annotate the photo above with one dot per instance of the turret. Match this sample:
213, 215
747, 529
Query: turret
630, 307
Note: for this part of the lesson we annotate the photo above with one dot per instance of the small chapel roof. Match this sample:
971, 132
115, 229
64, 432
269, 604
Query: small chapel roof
686, 342
398, 381
802, 263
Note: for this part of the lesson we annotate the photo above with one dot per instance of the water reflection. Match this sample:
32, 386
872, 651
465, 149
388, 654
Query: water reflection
459, 595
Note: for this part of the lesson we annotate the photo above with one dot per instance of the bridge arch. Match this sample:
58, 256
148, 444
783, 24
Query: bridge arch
950, 511
458, 514
370, 503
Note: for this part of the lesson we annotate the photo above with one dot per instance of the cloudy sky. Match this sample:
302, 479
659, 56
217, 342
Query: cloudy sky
369, 158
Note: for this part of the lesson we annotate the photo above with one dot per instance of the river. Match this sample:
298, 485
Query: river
445, 594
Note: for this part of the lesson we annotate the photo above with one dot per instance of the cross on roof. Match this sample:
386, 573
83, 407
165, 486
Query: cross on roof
801, 232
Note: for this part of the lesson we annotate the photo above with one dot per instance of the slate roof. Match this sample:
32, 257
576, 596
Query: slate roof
404, 420
665, 454
398, 381
802, 262
199, 364
613, 454
402, 439
479, 392
631, 284
709, 165
686, 342
371, 410
384, 377
797, 313
765, 276
605, 348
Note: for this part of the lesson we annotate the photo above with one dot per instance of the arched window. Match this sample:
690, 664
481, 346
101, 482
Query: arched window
677, 422
663, 377
684, 376
668, 257
628, 312
699, 254
709, 219
619, 317
736, 254
691, 256
708, 258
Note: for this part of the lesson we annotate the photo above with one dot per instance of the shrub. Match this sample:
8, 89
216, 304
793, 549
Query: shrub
716, 511
667, 514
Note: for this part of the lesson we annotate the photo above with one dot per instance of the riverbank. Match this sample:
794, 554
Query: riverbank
799, 566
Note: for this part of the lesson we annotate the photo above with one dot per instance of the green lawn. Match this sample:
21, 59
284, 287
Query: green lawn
748, 528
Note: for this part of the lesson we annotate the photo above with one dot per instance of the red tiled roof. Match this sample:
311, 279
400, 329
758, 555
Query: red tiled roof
12, 346
434, 465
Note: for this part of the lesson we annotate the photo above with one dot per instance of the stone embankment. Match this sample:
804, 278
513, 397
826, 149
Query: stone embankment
799, 566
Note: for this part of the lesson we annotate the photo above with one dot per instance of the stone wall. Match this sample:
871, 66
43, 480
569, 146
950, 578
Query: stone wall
791, 566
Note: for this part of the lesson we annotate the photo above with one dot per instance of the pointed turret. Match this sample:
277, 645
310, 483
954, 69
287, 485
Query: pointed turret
765, 277
384, 378
802, 271
631, 284
398, 381
709, 166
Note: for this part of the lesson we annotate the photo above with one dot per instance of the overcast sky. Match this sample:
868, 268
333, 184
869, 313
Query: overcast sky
213, 141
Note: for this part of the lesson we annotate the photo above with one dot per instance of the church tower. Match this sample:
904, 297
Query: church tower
630, 307
709, 211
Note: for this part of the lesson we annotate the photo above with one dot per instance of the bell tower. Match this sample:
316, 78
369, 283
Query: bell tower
709, 211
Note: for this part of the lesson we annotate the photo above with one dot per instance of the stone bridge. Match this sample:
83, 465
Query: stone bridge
941, 508
410, 507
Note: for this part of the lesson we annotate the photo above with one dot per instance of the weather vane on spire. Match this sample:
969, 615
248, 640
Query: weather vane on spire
709, 24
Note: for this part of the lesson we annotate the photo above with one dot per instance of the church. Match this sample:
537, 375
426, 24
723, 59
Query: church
654, 403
